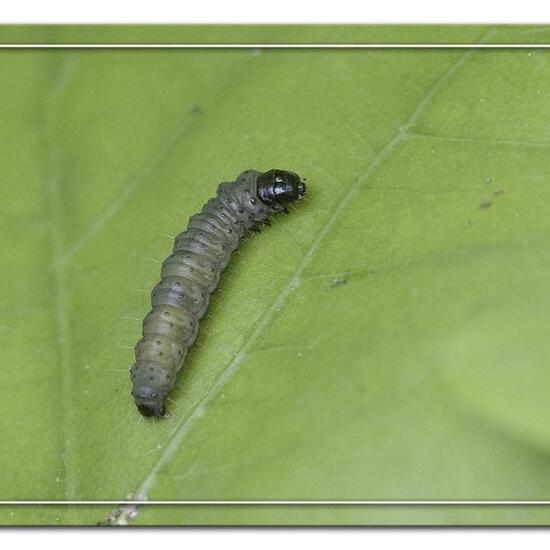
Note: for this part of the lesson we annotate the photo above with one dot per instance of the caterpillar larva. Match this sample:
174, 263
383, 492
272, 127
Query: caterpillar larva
192, 272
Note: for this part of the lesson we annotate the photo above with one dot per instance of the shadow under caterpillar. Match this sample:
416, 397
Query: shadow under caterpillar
192, 272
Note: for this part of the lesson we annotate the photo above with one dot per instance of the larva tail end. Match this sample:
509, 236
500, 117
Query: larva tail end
151, 409
149, 403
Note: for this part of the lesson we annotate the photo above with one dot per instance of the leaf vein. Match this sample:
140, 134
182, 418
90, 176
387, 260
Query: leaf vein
478, 140
53, 192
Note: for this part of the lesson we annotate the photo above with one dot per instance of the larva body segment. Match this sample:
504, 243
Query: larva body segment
192, 272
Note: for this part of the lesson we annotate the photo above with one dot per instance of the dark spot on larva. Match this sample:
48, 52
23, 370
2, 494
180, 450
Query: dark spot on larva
485, 204
151, 378
188, 258
171, 325
151, 369
158, 342
177, 283
165, 313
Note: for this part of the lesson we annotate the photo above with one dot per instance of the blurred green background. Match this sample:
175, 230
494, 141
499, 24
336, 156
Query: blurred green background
388, 340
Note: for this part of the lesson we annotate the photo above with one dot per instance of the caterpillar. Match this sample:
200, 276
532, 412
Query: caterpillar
192, 272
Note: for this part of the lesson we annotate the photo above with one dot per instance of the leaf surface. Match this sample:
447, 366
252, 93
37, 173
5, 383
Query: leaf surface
386, 341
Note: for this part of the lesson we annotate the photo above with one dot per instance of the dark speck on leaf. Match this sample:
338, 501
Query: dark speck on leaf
338, 281
485, 204
197, 110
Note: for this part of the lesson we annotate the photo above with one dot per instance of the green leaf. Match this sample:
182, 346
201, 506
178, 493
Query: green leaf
386, 341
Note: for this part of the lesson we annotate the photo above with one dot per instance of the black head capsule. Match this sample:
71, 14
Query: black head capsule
278, 188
